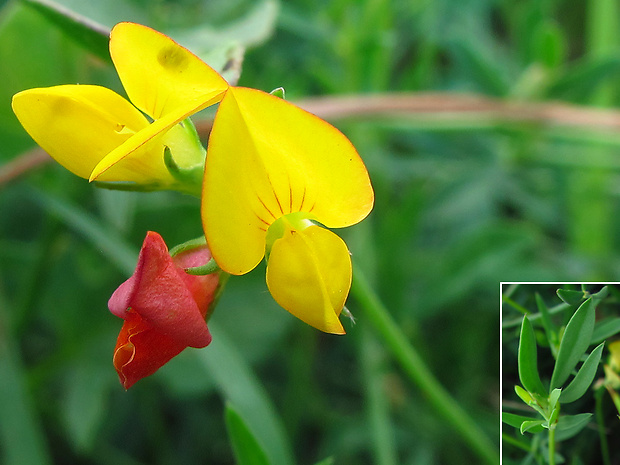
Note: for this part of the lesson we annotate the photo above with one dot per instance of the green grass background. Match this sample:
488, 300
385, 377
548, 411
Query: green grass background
463, 201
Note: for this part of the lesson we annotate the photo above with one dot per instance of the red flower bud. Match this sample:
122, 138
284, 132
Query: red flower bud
164, 309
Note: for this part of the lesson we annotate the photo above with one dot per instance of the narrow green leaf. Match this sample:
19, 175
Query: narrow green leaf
515, 420
550, 330
575, 341
21, 433
570, 425
111, 244
533, 426
527, 360
245, 446
239, 385
327, 461
87, 33
605, 329
582, 381
572, 297
579, 80
524, 395
549, 44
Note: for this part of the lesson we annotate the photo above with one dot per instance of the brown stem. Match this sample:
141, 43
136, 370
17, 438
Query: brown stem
430, 106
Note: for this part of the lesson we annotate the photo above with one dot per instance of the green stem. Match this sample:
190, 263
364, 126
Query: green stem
552, 446
600, 419
419, 373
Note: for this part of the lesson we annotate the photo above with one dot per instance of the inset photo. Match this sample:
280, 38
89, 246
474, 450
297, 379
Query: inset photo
560, 373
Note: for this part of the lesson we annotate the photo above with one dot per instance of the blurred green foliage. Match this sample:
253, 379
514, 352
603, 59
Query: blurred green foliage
462, 203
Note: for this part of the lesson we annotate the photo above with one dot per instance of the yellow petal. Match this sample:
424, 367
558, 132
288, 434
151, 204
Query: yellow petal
309, 274
142, 143
158, 74
267, 158
79, 124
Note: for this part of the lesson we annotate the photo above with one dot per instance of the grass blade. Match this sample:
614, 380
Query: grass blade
241, 388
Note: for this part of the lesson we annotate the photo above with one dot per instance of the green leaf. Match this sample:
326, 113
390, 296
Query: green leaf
245, 446
580, 79
515, 420
570, 425
575, 341
600, 295
327, 461
549, 44
550, 329
239, 386
527, 360
582, 381
572, 297
85, 32
110, 243
605, 329
524, 395
21, 431
534, 426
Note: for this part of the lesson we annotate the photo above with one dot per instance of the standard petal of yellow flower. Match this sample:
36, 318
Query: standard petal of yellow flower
267, 158
158, 74
79, 124
309, 274
236, 211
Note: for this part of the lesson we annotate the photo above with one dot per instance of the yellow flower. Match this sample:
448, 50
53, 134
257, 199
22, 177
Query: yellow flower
98, 135
275, 178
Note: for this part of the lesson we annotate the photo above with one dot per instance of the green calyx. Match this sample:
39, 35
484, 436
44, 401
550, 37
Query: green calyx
296, 221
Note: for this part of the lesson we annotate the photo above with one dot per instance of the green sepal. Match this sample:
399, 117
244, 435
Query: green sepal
185, 176
191, 244
210, 267
279, 92
575, 341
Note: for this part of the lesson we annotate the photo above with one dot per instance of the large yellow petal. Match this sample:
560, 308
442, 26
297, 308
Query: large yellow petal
158, 74
267, 158
309, 274
79, 124
311, 165
237, 201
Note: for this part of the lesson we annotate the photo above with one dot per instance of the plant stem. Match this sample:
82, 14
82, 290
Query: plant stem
552, 446
600, 419
417, 370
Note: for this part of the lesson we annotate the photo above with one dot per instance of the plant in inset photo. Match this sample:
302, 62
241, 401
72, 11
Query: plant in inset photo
560, 373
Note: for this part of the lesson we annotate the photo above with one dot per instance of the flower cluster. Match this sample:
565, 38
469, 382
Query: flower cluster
272, 181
